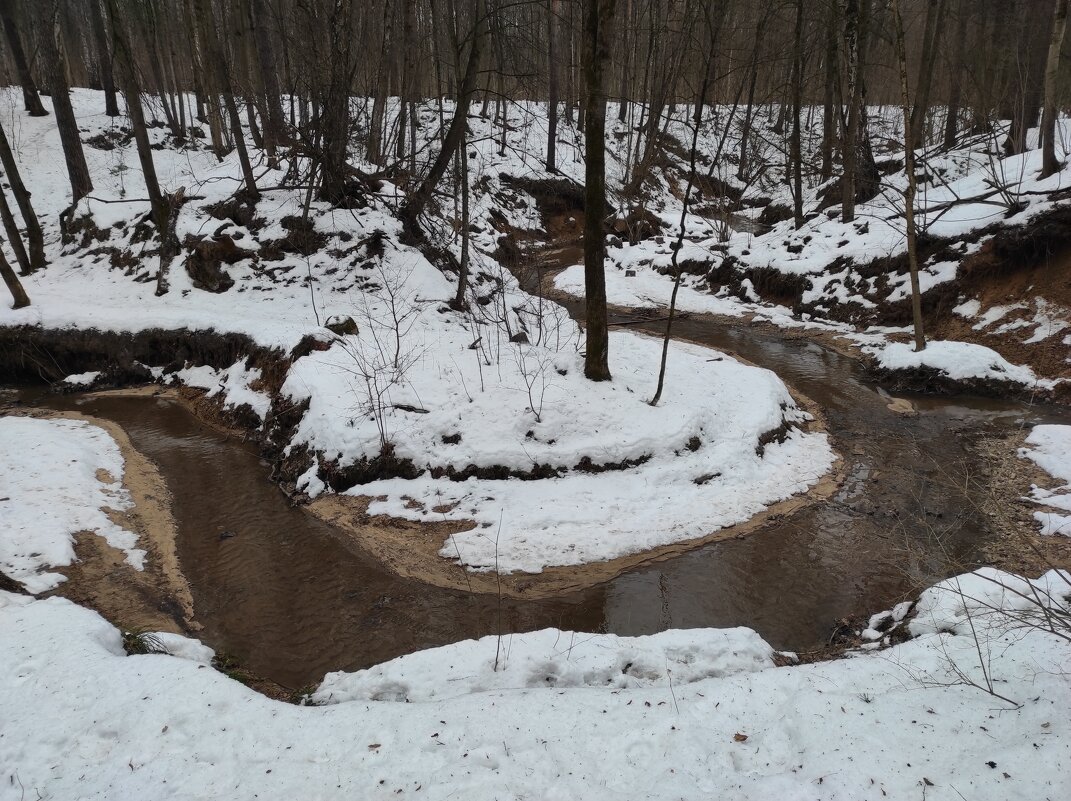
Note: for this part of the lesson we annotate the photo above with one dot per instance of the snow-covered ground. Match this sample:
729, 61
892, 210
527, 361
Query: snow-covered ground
449, 395
956, 360
58, 478
1049, 446
697, 714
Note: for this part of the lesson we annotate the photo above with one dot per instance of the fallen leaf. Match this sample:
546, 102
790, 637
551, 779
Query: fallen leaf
739, 737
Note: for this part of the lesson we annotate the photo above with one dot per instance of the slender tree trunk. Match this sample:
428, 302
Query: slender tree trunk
274, 125
959, 66
849, 152
70, 140
1049, 164
829, 115
931, 39
674, 259
34, 238
14, 285
909, 193
552, 84
597, 27
463, 270
30, 96
795, 147
107, 77
132, 93
14, 236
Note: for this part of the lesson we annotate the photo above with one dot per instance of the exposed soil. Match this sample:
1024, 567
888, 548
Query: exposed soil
1007, 479
413, 549
158, 597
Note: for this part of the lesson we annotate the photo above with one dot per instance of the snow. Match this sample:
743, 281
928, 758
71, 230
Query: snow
1049, 447
82, 379
233, 384
553, 659
52, 487
700, 472
83, 720
956, 360
184, 647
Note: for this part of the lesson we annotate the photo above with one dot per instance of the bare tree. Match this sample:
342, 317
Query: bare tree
34, 238
14, 285
910, 192
1049, 164
30, 96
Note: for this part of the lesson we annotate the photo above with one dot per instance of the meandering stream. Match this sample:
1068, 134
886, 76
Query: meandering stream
291, 598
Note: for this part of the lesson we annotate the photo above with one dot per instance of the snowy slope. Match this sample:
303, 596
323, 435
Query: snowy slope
83, 720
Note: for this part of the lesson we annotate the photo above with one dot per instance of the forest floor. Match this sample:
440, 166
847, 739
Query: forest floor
474, 435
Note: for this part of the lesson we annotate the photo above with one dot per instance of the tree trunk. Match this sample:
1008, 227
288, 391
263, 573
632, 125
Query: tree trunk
909, 193
795, 147
931, 38
273, 123
18, 294
34, 237
30, 96
456, 133
77, 170
14, 236
849, 151
1049, 164
107, 77
552, 83
959, 66
829, 116
597, 26
132, 94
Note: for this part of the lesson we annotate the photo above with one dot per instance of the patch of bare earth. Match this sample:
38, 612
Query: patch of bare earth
1007, 479
157, 597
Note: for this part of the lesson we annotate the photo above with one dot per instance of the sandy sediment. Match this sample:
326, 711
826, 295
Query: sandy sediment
158, 597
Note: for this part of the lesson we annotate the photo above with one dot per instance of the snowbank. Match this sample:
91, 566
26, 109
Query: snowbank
1049, 447
58, 478
553, 659
82, 719
959, 361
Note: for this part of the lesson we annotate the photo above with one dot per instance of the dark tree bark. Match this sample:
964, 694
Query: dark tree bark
597, 27
161, 209
34, 237
959, 66
552, 84
221, 73
795, 147
70, 140
104, 54
274, 124
1049, 164
849, 152
14, 236
909, 193
14, 285
30, 96
931, 40
829, 115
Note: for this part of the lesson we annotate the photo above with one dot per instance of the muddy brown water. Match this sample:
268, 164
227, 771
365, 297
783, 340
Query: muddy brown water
290, 598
